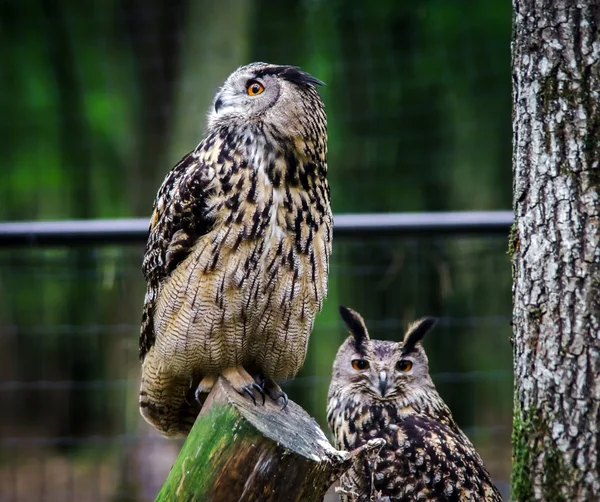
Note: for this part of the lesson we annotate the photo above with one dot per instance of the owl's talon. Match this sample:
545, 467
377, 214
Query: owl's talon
247, 390
260, 390
240, 380
204, 387
275, 393
285, 400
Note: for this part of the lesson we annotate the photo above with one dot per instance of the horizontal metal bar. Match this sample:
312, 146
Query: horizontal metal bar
303, 381
67, 232
482, 222
135, 230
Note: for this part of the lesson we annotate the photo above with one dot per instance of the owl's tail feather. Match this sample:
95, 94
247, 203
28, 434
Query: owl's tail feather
167, 402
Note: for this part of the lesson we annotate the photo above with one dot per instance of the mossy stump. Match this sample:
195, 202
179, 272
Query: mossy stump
239, 451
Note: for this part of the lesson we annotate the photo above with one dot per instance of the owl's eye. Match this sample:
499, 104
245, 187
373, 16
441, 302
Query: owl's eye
404, 365
255, 88
360, 364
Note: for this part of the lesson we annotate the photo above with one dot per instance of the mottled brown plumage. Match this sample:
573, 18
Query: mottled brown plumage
238, 252
383, 390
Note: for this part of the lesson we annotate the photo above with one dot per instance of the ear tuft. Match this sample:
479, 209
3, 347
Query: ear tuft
416, 332
356, 325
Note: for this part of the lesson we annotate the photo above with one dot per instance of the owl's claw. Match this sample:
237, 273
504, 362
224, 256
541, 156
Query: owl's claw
247, 390
243, 382
275, 393
204, 387
285, 400
260, 390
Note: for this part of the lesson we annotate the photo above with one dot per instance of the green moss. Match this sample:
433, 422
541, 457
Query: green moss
205, 451
535, 313
554, 472
563, 169
592, 139
594, 174
521, 479
595, 296
513, 240
549, 96
530, 441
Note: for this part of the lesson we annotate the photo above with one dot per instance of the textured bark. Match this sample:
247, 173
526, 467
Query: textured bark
239, 451
555, 250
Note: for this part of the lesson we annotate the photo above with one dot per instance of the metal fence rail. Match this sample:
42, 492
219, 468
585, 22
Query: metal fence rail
135, 230
69, 324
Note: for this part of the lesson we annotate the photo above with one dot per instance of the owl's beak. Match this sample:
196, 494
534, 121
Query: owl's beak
218, 104
383, 383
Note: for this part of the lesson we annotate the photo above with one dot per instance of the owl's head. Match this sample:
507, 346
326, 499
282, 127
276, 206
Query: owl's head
385, 371
279, 96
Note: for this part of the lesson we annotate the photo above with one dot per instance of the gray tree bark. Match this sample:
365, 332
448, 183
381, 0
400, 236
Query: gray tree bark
555, 247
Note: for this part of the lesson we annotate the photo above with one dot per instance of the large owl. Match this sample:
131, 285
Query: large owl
383, 390
238, 253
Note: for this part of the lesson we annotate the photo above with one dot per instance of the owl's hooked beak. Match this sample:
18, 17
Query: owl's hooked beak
383, 383
218, 104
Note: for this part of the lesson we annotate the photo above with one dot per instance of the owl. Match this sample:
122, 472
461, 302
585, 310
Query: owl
383, 390
237, 256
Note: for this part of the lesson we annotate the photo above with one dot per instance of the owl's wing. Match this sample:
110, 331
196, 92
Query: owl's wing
180, 216
443, 457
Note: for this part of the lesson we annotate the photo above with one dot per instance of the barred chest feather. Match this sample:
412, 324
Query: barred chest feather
425, 458
260, 274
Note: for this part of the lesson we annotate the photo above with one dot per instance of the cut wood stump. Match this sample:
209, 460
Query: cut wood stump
239, 451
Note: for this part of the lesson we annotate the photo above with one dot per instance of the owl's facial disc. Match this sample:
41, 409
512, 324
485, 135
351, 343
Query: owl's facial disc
269, 94
381, 370
245, 95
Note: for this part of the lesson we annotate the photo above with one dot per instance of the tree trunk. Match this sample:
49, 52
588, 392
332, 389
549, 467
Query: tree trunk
555, 247
239, 451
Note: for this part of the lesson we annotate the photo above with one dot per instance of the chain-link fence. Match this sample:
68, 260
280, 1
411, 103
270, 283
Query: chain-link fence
69, 370
99, 99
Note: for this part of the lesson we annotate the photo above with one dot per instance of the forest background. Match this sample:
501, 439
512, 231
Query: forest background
99, 99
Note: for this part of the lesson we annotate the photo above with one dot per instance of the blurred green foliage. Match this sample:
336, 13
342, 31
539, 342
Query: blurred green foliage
418, 98
100, 99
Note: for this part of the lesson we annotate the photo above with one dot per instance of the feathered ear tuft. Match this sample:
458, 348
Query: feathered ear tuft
356, 325
416, 332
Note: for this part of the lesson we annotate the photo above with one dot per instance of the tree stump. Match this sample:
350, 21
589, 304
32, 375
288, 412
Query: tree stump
239, 451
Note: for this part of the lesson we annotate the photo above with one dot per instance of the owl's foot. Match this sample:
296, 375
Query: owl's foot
242, 382
260, 390
274, 392
204, 387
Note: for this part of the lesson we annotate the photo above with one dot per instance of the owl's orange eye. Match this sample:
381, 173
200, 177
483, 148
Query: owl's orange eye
404, 365
360, 364
255, 88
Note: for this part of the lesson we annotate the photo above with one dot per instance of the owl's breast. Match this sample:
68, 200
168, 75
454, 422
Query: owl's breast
252, 286
275, 250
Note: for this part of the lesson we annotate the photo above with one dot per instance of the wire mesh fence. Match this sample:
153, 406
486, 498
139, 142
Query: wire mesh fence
70, 427
417, 96
101, 98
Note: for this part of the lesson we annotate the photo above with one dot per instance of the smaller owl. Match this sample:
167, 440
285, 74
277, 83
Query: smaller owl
383, 389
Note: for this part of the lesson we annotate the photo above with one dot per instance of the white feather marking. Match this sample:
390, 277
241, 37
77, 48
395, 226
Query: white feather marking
274, 231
